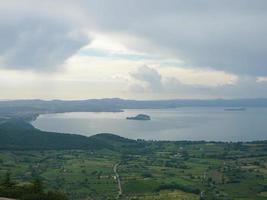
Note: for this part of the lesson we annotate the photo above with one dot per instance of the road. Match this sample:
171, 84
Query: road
115, 169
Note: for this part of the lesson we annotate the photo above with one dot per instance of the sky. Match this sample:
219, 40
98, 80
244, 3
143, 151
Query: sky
133, 49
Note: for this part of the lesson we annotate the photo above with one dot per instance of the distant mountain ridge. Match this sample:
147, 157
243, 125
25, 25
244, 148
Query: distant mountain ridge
116, 105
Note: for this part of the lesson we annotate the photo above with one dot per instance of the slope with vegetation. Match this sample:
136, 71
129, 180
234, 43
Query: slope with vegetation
82, 167
31, 191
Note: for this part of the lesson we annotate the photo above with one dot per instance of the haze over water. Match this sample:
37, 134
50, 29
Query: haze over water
211, 124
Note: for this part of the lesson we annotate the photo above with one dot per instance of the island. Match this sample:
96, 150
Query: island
139, 117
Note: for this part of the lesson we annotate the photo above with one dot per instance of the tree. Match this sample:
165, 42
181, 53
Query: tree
7, 180
37, 186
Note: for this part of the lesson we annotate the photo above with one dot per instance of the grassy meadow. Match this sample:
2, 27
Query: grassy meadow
160, 170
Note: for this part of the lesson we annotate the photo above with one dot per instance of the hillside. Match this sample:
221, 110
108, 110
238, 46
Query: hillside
20, 135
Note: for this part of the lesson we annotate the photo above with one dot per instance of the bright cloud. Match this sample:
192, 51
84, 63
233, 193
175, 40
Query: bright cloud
262, 79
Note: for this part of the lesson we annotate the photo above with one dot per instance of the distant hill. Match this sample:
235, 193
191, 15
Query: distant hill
19, 135
116, 105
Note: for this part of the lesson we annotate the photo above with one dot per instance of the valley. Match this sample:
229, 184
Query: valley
147, 169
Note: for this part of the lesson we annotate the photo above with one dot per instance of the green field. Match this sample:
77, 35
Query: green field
154, 170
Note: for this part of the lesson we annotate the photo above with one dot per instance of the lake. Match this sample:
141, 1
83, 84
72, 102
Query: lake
187, 123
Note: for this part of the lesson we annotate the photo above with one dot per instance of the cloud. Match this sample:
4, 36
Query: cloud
161, 79
154, 82
151, 79
262, 79
209, 48
35, 39
221, 34
148, 82
246, 87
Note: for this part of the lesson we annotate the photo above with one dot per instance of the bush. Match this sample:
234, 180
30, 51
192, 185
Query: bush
175, 186
31, 191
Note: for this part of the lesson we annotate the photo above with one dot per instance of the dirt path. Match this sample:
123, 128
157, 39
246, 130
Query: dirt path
115, 168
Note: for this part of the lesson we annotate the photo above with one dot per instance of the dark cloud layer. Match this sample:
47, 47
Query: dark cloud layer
221, 34
33, 40
40, 45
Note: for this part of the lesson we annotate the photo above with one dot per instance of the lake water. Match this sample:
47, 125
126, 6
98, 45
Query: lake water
211, 124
